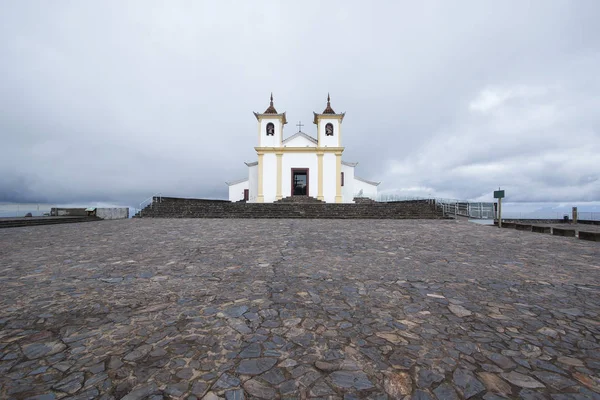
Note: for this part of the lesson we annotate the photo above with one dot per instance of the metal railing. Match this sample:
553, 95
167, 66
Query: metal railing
384, 197
157, 197
477, 210
450, 207
9, 210
588, 215
581, 215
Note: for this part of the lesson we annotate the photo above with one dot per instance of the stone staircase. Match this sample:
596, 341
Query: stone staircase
299, 200
170, 207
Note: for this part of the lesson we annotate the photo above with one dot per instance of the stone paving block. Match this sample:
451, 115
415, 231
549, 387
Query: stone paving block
294, 308
541, 229
523, 227
591, 236
563, 232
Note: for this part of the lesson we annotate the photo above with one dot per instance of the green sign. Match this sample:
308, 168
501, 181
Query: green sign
498, 194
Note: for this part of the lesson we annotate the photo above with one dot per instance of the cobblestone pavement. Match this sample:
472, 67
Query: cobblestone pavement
241, 309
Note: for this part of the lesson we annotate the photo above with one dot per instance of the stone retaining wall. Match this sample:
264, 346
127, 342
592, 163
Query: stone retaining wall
567, 230
168, 207
545, 221
34, 221
100, 212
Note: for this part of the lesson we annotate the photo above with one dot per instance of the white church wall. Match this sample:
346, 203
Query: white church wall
299, 160
112, 212
252, 183
329, 141
368, 190
348, 188
329, 177
270, 141
269, 177
236, 191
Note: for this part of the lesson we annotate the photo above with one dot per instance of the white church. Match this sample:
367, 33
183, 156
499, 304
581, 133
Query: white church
300, 165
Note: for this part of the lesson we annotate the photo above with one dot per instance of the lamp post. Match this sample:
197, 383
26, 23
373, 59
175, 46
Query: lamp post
499, 194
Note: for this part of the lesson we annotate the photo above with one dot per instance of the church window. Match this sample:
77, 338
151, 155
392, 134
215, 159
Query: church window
342, 179
270, 129
329, 129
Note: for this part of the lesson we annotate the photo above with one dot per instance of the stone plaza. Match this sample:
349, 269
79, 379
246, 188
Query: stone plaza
331, 309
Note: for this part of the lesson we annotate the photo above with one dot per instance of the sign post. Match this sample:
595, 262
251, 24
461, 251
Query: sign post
499, 194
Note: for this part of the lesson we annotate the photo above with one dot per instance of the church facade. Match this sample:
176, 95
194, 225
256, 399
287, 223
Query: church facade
300, 165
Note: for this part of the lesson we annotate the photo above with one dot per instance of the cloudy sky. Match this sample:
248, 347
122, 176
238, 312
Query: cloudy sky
113, 101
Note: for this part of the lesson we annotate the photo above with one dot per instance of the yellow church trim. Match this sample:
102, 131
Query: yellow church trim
279, 174
260, 117
318, 135
338, 179
259, 132
263, 150
320, 170
318, 117
260, 197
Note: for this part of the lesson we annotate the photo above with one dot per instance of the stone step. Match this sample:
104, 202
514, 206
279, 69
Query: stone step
299, 200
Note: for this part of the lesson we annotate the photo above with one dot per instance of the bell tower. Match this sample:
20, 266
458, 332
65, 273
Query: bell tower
329, 151
329, 126
270, 127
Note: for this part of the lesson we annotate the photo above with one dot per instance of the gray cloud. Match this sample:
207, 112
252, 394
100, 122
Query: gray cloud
116, 101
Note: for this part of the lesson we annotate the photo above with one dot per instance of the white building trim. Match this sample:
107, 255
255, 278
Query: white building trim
366, 181
231, 183
300, 134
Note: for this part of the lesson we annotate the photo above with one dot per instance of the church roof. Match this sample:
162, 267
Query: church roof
349, 164
328, 109
300, 134
366, 181
251, 164
271, 109
236, 182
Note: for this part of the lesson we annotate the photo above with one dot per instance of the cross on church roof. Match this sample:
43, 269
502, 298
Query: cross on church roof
299, 125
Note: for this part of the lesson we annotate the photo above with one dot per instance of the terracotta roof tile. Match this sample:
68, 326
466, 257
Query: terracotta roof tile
271, 109
328, 109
